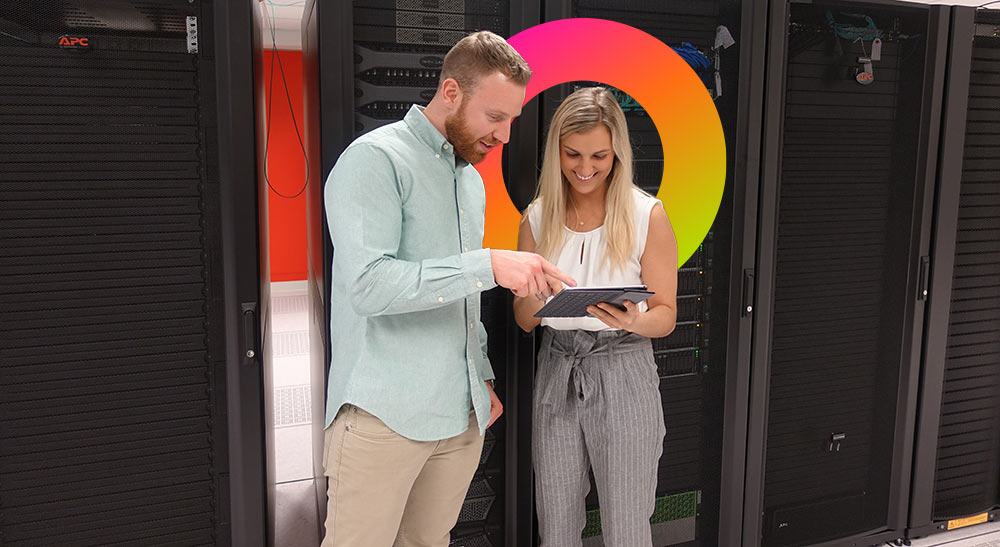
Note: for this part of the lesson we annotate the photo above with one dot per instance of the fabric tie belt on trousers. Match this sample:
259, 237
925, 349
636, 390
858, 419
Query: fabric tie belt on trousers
567, 351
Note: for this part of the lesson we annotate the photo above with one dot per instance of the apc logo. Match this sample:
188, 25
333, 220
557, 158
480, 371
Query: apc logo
73, 42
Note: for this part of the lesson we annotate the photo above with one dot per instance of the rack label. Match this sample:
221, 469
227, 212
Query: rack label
968, 521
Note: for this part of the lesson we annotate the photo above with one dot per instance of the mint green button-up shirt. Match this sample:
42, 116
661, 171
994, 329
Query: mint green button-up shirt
407, 225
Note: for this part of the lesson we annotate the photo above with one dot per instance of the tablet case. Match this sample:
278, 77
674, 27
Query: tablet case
573, 301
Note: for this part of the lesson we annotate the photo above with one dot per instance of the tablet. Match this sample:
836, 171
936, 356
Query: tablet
573, 301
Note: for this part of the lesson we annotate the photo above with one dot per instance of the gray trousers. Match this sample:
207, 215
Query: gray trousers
596, 404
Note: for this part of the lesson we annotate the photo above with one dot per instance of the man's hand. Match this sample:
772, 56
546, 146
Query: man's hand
555, 286
525, 273
496, 407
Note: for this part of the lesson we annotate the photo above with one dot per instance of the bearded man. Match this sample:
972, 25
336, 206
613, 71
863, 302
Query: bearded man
410, 392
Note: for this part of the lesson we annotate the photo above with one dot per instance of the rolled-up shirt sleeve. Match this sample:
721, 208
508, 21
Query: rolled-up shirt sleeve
364, 205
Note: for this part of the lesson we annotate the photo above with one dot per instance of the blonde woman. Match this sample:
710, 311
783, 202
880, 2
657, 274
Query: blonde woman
597, 400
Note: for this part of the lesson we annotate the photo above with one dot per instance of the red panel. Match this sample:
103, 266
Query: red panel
286, 169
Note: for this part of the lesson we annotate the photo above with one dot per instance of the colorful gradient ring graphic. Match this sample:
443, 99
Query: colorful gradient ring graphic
694, 148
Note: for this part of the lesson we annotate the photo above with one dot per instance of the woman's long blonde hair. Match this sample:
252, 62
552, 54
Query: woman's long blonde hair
582, 111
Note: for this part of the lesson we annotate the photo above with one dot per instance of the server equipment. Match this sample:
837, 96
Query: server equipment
130, 406
701, 362
956, 473
365, 63
851, 137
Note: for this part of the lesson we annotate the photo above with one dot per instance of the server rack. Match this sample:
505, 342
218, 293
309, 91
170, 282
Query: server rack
364, 63
849, 166
129, 275
956, 475
704, 363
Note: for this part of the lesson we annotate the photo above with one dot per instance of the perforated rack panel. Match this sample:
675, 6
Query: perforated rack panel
113, 426
968, 460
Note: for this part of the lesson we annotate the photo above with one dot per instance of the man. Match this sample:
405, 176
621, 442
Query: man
410, 392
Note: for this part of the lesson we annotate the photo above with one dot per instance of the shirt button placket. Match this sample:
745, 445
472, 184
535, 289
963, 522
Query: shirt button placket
462, 233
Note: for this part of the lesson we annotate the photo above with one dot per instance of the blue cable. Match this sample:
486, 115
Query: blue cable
698, 61
692, 56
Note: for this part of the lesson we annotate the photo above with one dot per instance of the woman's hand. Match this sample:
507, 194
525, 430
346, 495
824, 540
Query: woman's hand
614, 317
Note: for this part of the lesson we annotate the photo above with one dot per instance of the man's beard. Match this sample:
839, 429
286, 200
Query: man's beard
466, 144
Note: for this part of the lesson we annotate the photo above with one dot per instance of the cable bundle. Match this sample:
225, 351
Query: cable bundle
854, 32
692, 56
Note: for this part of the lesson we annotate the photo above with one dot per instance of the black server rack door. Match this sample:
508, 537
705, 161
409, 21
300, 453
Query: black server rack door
841, 231
261, 310
967, 478
958, 456
369, 61
692, 361
116, 332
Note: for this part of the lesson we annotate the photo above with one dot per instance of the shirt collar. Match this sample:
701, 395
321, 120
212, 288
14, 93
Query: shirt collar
417, 121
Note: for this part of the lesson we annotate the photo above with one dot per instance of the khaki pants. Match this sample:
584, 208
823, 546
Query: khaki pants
386, 490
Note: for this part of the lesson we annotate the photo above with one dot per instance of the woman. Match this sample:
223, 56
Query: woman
597, 400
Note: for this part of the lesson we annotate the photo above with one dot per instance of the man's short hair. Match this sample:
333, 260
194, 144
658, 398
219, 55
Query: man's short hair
482, 54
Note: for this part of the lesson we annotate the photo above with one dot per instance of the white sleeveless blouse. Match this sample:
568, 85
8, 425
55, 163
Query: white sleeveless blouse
582, 257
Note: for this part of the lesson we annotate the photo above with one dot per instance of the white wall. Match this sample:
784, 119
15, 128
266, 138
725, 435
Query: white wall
287, 23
